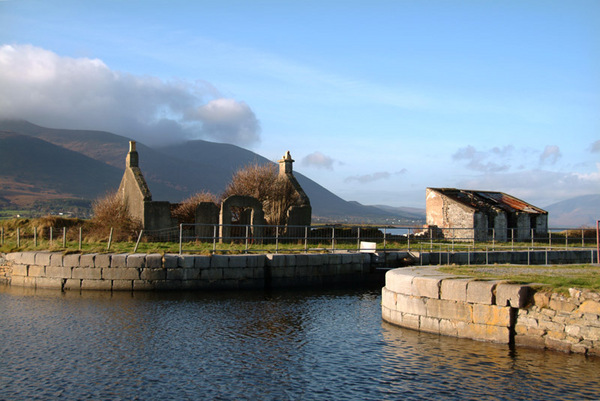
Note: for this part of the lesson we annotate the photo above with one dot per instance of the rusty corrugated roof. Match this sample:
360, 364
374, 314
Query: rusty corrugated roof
489, 200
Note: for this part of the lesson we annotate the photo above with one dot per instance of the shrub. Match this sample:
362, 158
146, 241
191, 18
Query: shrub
263, 182
110, 211
185, 212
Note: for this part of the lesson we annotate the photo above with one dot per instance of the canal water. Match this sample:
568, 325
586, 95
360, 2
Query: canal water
283, 345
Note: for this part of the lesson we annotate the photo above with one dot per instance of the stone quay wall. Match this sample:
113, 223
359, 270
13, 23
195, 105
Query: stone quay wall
131, 272
426, 300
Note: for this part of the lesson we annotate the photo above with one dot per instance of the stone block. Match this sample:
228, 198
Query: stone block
123, 273
445, 309
175, 274
202, 262
14, 256
491, 315
409, 320
56, 259
448, 327
346, 258
429, 324
19, 270
72, 285
541, 299
58, 271
551, 326
170, 260
514, 295
483, 332
275, 260
258, 272
234, 273
36, 271
153, 274
530, 341
143, 285
255, 261
22, 281
101, 285
87, 273
557, 344
589, 306
212, 274
42, 258
47, 282
186, 261
27, 258
591, 333
219, 261
237, 261
316, 259
89, 260
481, 292
561, 305
71, 260
411, 305
388, 298
122, 285
428, 287
386, 314
290, 260
102, 260
136, 260
118, 260
399, 282
454, 289
154, 260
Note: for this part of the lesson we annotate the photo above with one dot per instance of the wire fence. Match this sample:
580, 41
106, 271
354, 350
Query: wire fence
236, 238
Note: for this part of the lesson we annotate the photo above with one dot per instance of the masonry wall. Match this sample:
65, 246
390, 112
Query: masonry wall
132, 272
422, 299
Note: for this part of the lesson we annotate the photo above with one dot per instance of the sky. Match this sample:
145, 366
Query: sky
375, 100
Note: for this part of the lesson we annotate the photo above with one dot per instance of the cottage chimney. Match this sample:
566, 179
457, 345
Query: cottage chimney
132, 159
285, 164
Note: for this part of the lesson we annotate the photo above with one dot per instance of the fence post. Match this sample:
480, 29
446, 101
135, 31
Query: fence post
408, 238
2, 235
358, 240
384, 237
109, 239
493, 239
136, 243
566, 239
51, 235
582, 241
276, 239
64, 237
80, 236
550, 239
214, 238
247, 233
35, 237
598, 241
332, 239
512, 239
180, 238
532, 236
306, 239
18, 237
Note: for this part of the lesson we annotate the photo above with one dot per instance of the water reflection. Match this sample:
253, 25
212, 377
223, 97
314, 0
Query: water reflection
257, 345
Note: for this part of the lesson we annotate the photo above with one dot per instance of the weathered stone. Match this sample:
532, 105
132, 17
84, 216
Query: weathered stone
27, 258
541, 299
551, 326
72, 285
445, 309
491, 315
42, 258
237, 261
202, 262
71, 260
409, 320
136, 260
56, 259
399, 282
514, 295
19, 270
120, 274
122, 285
118, 260
275, 260
283, 271
388, 298
143, 285
592, 307
530, 341
426, 287
87, 273
101, 285
483, 332
573, 330
212, 274
454, 289
219, 261
561, 305
170, 260
153, 274
411, 305
154, 261
557, 344
481, 292
557, 335
36, 271
47, 282
590, 333
58, 271
185, 261
89, 260
102, 260
448, 327
429, 324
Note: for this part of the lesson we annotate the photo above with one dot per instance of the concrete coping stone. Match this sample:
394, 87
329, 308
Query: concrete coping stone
171, 260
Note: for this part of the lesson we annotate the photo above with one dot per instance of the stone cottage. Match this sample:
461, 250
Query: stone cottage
156, 215
483, 215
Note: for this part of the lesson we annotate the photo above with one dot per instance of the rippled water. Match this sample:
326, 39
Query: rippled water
297, 345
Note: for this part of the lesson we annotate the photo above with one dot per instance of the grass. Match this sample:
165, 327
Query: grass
558, 278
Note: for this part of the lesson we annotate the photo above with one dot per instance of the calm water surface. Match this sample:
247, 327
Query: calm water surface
296, 345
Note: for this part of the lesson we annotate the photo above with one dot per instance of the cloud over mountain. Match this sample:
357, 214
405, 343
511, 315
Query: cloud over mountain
83, 93
318, 160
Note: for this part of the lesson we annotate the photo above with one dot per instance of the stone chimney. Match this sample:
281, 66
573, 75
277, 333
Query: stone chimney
132, 157
285, 164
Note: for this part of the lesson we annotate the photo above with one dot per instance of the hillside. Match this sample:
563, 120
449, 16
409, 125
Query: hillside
581, 211
43, 163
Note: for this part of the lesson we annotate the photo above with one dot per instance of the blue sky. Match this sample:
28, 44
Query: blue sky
375, 100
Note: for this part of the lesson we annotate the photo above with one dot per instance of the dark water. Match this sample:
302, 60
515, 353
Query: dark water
297, 345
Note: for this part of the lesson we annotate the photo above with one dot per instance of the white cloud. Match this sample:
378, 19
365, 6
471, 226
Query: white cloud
81, 93
318, 160
479, 160
380, 175
551, 154
595, 147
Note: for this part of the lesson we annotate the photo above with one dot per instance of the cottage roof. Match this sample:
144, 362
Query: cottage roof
486, 200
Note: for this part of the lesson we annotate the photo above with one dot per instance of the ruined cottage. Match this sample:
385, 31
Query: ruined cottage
483, 215
156, 215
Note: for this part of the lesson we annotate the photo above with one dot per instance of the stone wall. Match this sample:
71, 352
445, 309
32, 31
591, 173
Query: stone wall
131, 272
426, 300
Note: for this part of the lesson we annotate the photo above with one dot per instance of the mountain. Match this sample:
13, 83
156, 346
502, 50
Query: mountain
581, 211
38, 163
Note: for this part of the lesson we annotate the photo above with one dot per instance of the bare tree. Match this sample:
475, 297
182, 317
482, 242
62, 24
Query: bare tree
185, 212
